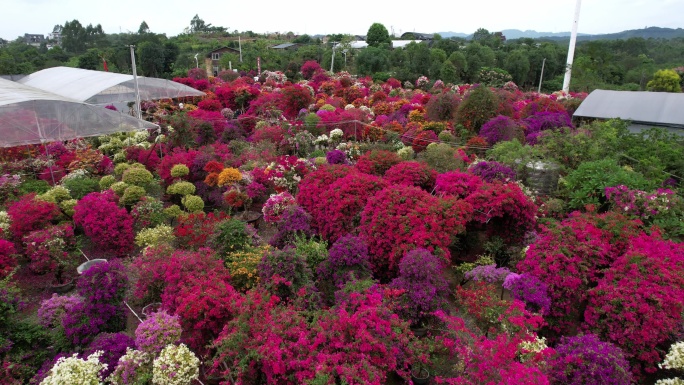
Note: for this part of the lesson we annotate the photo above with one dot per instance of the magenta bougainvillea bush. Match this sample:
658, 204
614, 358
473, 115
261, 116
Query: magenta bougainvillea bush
107, 225
570, 257
28, 214
456, 183
401, 218
8, 260
641, 291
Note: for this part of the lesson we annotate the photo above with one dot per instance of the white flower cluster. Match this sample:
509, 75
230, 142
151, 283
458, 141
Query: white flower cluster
75, 371
675, 357
535, 346
670, 381
5, 220
76, 174
349, 107
336, 134
176, 365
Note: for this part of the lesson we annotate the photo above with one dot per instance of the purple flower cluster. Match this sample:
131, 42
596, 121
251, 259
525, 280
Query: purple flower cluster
492, 171
53, 309
542, 121
426, 289
500, 128
587, 360
113, 346
336, 157
157, 331
488, 273
295, 221
348, 260
529, 289
102, 287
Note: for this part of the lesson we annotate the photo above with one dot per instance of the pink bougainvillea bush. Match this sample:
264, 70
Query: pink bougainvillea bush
503, 209
412, 173
401, 218
28, 214
358, 342
456, 183
570, 257
461, 357
639, 302
107, 225
341, 203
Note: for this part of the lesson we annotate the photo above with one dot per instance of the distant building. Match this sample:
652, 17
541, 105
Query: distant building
212, 59
56, 35
34, 39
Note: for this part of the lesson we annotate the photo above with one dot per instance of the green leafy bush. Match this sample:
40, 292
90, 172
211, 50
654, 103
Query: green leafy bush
81, 186
587, 184
193, 203
181, 188
137, 176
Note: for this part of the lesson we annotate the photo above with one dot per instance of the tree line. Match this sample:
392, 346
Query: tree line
627, 64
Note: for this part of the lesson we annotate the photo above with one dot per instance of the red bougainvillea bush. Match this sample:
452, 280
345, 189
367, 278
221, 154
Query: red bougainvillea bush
412, 174
315, 183
340, 205
401, 218
503, 209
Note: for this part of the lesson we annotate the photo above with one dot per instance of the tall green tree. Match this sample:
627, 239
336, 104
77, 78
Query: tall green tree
377, 35
371, 60
518, 65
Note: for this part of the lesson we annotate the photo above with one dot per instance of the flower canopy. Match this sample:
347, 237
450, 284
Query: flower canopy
29, 116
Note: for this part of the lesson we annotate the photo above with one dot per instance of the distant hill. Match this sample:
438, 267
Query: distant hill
646, 33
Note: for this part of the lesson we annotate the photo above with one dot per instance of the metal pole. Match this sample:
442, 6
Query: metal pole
541, 76
135, 79
571, 48
332, 62
240, 45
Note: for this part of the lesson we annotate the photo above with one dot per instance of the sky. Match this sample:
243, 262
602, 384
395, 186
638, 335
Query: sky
171, 17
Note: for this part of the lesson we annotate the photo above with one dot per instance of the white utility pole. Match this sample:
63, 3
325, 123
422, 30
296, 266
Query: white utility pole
240, 45
135, 80
571, 48
332, 62
541, 76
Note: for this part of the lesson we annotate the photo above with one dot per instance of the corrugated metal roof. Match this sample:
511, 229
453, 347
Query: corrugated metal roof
650, 108
98, 87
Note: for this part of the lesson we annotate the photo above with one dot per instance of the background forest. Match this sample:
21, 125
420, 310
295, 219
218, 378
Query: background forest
618, 62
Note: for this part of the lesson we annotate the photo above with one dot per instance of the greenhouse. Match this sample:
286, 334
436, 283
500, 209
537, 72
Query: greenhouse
98, 87
29, 116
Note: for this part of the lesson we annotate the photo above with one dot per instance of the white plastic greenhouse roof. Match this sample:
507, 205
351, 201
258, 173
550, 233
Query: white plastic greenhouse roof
98, 87
647, 108
30, 116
